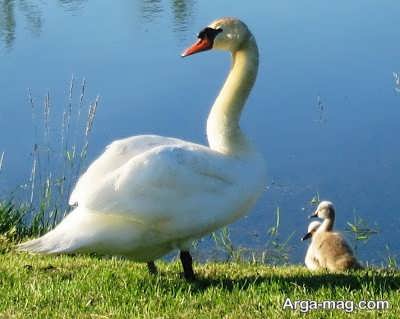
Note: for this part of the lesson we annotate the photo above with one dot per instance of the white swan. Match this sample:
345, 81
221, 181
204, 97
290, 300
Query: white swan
328, 249
147, 195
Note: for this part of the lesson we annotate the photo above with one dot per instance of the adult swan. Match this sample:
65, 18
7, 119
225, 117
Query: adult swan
147, 195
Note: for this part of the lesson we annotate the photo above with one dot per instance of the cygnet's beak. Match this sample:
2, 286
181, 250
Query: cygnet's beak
200, 45
306, 236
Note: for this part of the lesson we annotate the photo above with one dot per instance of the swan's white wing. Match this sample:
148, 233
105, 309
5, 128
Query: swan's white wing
185, 187
116, 154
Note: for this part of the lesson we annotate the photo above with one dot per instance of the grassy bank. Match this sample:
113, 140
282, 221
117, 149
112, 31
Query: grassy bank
89, 287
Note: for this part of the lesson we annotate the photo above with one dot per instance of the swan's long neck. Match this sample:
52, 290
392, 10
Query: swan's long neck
223, 130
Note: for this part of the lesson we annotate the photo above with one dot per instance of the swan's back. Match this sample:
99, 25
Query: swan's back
182, 187
116, 155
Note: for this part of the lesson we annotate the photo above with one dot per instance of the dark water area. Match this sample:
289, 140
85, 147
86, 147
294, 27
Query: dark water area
325, 111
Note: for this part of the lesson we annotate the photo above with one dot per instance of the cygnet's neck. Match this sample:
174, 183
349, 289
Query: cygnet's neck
223, 130
327, 224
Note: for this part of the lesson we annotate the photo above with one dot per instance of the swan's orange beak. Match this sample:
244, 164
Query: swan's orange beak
201, 45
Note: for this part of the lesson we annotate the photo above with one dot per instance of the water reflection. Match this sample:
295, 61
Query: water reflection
32, 13
8, 24
151, 10
72, 5
182, 11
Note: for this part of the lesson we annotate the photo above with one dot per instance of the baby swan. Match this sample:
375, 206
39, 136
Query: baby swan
328, 248
311, 260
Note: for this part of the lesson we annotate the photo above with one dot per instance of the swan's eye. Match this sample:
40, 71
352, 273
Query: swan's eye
209, 33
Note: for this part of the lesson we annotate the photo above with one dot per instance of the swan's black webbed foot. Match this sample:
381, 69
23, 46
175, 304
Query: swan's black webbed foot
187, 264
151, 266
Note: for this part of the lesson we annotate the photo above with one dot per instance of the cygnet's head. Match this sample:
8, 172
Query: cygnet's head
227, 34
312, 228
325, 210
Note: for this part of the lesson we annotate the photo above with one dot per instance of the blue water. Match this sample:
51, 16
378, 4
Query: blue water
324, 111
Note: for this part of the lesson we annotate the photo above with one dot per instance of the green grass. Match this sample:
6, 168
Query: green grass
90, 287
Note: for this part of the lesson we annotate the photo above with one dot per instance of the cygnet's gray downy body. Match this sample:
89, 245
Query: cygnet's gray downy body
328, 250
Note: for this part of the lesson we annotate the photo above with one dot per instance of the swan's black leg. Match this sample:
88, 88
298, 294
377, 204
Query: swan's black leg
151, 266
187, 265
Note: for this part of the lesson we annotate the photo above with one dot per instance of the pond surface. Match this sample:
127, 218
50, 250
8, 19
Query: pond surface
324, 111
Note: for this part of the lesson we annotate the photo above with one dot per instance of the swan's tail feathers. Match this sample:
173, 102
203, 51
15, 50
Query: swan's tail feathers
56, 241
34, 246
43, 245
